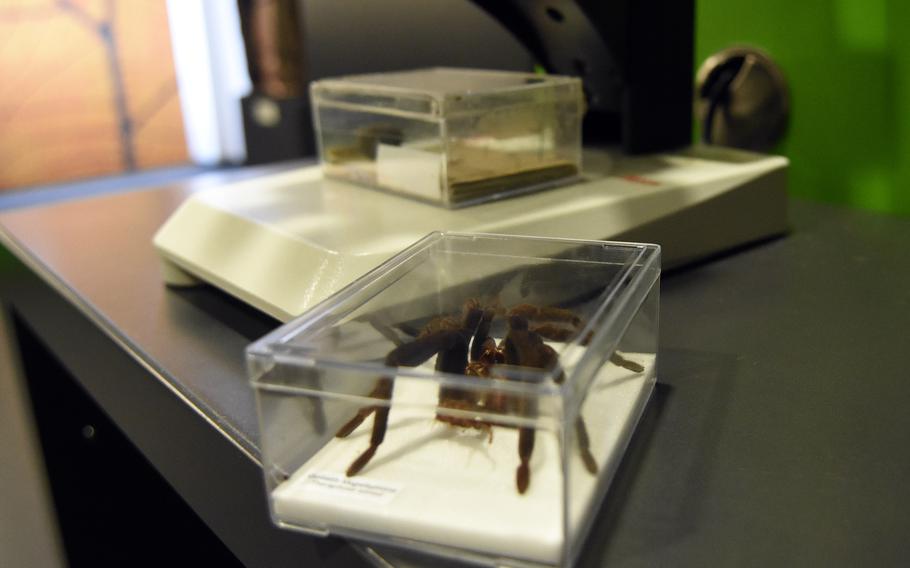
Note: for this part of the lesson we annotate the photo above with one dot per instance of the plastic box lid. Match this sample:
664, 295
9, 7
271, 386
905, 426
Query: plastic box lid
442, 91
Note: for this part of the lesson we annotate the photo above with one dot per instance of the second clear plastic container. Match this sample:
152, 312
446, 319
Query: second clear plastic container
471, 397
452, 137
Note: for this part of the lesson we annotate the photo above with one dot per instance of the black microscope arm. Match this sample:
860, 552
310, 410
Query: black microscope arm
635, 58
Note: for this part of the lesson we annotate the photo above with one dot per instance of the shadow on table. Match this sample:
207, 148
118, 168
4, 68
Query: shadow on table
657, 493
240, 317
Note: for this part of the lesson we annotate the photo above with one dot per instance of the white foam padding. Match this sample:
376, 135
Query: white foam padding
440, 484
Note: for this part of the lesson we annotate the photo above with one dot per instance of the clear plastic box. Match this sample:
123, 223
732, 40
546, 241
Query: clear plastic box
450, 136
386, 417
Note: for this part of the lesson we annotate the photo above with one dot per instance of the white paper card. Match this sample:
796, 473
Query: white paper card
341, 486
409, 170
456, 487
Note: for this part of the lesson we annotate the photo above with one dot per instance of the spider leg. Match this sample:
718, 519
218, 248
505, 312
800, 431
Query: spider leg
402, 354
581, 431
555, 332
621, 361
380, 421
554, 324
358, 418
546, 313
525, 449
406, 355
523, 348
584, 445
381, 390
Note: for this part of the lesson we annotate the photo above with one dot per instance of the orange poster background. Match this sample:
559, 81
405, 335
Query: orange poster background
87, 88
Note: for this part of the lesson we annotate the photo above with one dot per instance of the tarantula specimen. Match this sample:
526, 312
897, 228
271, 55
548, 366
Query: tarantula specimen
463, 345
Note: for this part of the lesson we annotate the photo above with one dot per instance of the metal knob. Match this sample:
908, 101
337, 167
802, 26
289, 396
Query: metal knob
742, 99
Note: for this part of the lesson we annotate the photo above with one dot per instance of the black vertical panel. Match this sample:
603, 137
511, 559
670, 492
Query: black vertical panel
113, 508
659, 69
637, 52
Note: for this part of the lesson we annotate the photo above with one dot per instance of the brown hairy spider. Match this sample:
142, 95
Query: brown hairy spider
463, 346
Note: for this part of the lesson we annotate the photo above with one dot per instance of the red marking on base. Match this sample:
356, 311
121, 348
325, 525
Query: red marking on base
640, 179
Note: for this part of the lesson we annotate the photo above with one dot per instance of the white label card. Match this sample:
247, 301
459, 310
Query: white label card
409, 170
354, 487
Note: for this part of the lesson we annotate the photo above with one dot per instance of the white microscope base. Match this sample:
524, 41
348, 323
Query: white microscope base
283, 242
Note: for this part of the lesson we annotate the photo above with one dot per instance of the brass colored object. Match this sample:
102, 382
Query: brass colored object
271, 36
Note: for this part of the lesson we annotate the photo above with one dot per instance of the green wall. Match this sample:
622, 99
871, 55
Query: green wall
848, 65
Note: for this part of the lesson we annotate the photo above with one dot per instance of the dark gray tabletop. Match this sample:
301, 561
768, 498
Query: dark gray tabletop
776, 435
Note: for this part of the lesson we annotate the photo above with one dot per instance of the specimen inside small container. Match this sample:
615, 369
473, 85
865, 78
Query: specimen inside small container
464, 345
450, 136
